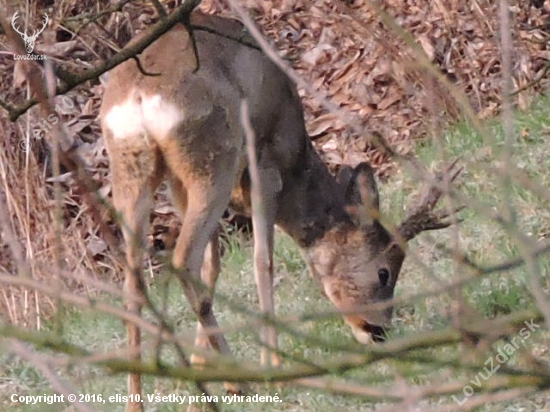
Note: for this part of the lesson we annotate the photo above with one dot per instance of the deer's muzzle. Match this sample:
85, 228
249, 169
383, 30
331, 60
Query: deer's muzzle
364, 331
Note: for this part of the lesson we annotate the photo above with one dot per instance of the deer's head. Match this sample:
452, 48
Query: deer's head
29, 40
358, 262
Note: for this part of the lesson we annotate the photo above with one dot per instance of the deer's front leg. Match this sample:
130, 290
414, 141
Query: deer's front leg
263, 273
264, 209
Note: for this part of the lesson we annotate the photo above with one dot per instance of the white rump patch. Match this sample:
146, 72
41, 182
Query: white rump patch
125, 120
153, 117
160, 116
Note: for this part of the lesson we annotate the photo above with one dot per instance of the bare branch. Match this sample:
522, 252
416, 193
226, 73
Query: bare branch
71, 80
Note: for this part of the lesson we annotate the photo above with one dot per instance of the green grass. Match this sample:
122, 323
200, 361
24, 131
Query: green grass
481, 238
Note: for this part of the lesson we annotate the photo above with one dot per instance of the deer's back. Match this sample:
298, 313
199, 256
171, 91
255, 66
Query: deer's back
196, 112
176, 95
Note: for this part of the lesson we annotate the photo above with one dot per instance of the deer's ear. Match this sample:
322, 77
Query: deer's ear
362, 194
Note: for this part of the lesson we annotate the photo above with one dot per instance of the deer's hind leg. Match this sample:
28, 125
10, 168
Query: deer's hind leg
136, 171
210, 269
203, 166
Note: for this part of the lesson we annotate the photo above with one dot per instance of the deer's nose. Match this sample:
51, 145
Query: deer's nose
378, 333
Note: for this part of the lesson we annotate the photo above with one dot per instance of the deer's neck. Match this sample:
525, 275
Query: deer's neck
311, 202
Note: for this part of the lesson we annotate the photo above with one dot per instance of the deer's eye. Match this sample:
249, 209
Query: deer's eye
383, 276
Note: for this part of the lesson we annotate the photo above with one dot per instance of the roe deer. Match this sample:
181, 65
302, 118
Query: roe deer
182, 124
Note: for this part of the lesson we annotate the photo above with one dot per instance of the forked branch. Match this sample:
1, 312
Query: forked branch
423, 217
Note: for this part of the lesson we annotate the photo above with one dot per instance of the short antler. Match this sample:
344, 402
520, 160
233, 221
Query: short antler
423, 217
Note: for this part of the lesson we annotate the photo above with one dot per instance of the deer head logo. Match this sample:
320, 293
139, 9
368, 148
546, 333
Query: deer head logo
29, 40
